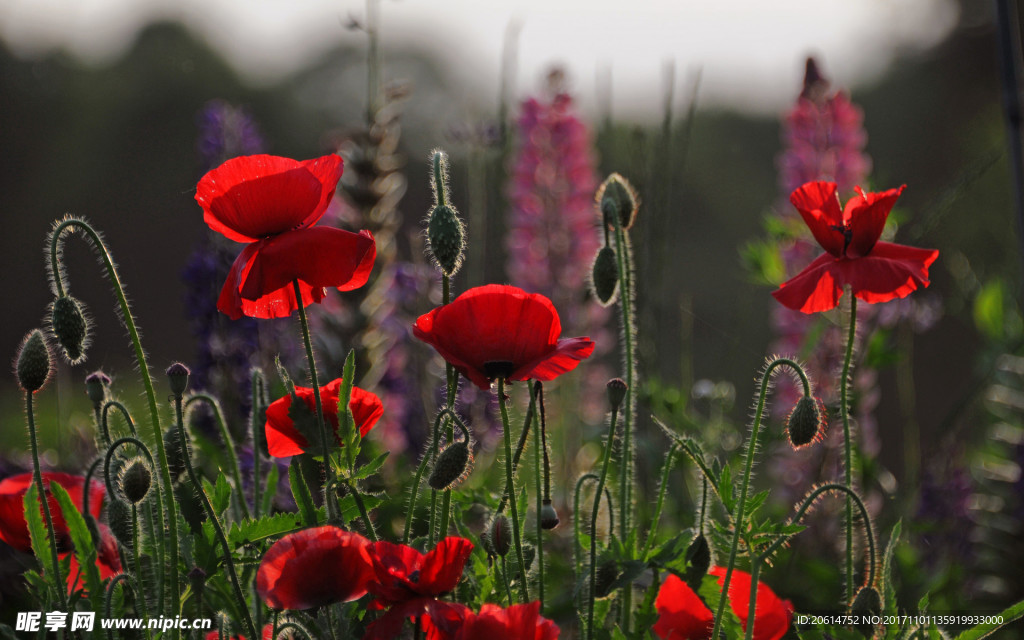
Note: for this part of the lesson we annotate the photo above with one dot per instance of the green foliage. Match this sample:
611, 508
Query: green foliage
38, 536
85, 548
303, 499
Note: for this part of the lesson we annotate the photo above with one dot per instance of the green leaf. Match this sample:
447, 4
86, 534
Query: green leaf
270, 489
305, 422
301, 494
249, 531
347, 431
370, 467
888, 588
711, 594
219, 494
37, 531
725, 488
1008, 615
349, 509
85, 549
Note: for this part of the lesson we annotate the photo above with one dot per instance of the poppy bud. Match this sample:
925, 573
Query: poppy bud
548, 516
698, 561
616, 392
604, 276
451, 466
445, 239
618, 201
119, 517
136, 479
197, 578
178, 375
172, 449
33, 362
70, 327
607, 574
499, 535
806, 422
867, 604
96, 385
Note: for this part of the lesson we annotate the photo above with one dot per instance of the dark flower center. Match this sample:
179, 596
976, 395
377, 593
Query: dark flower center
847, 235
498, 369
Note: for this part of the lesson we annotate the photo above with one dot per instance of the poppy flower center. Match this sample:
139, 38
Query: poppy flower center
847, 235
494, 369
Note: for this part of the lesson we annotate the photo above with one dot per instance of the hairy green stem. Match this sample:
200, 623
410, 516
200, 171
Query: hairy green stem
577, 547
844, 411
593, 520
510, 492
371, 533
536, 391
138, 562
229, 443
105, 419
666, 467
37, 476
521, 445
256, 386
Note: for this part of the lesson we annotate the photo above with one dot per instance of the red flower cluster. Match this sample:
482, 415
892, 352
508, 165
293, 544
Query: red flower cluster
682, 615
498, 331
283, 439
272, 203
876, 271
458, 622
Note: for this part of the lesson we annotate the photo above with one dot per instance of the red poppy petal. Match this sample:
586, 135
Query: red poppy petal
389, 625
284, 440
771, 616
251, 197
818, 204
14, 530
441, 569
812, 290
891, 271
315, 567
327, 170
319, 257
682, 615
565, 357
393, 564
865, 215
445, 620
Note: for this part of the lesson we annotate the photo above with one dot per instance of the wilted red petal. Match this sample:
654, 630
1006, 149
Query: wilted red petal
283, 439
865, 215
682, 615
772, 615
500, 323
252, 197
14, 529
315, 567
818, 205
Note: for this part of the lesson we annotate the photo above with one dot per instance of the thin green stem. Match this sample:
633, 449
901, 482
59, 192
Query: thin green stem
844, 411
666, 467
504, 578
37, 475
105, 419
577, 547
535, 391
138, 562
607, 455
747, 470
229, 443
330, 504
451, 376
108, 597
418, 478
167, 494
256, 385
510, 492
214, 519
371, 533
521, 445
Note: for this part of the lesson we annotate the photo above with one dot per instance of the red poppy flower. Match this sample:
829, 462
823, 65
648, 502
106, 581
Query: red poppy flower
408, 582
458, 622
268, 633
498, 331
682, 615
272, 203
283, 439
14, 529
315, 567
107, 559
876, 271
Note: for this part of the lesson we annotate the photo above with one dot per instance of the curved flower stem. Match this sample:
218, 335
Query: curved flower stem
510, 492
167, 494
593, 521
844, 411
626, 470
108, 599
418, 478
538, 391
58, 583
748, 469
214, 519
105, 420
229, 442
452, 378
329, 503
666, 467
371, 533
577, 547
138, 562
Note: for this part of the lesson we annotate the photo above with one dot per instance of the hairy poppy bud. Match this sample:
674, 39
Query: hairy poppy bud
499, 535
607, 574
97, 384
618, 201
616, 392
445, 238
136, 479
178, 375
119, 517
806, 422
604, 276
70, 327
548, 516
172, 449
451, 466
698, 560
867, 604
33, 363
197, 578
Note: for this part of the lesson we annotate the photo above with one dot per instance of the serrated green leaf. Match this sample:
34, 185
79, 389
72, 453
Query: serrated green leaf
300, 492
725, 488
305, 422
888, 588
219, 494
85, 549
711, 592
671, 550
347, 431
1008, 615
628, 572
349, 509
371, 467
37, 530
249, 531
754, 503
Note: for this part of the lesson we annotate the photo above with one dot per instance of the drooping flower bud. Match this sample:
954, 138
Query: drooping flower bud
604, 276
698, 561
618, 201
866, 605
499, 535
70, 328
606, 575
119, 517
451, 466
97, 384
548, 515
136, 479
616, 392
806, 422
33, 362
178, 375
446, 239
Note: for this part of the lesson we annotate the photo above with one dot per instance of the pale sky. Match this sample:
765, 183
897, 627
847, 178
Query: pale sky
750, 52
